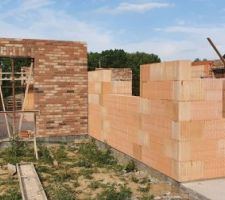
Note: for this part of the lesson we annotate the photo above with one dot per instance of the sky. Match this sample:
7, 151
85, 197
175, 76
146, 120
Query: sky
172, 29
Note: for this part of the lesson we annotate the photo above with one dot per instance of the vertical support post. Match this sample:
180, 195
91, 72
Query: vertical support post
5, 114
14, 97
35, 132
26, 94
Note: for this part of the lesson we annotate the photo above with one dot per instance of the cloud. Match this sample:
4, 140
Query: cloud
134, 7
24, 7
41, 20
38, 20
191, 40
165, 48
28, 5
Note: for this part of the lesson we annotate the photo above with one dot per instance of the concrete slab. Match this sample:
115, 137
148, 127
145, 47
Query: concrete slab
211, 189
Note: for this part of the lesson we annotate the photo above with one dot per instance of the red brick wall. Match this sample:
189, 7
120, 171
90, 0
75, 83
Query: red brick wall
60, 83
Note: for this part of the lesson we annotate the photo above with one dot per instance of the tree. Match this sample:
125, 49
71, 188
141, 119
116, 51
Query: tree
118, 58
93, 60
134, 61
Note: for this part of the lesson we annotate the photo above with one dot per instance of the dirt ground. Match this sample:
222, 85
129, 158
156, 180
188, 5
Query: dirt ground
82, 171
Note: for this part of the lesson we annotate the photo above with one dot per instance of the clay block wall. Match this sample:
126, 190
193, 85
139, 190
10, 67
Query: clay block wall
60, 83
202, 69
176, 126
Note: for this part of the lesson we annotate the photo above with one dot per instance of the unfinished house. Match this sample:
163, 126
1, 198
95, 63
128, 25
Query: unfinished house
176, 126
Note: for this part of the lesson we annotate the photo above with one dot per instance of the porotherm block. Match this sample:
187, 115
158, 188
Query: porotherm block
176, 126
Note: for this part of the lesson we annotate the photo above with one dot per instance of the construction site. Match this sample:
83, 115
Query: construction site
69, 133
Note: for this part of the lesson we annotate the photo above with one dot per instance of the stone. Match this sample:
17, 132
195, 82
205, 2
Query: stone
11, 169
167, 194
55, 163
140, 174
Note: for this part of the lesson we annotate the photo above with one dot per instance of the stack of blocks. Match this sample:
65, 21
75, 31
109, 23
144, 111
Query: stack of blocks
176, 126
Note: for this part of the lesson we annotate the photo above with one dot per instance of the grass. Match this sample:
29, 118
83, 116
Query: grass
83, 172
91, 154
11, 194
112, 193
151, 197
144, 188
16, 152
95, 185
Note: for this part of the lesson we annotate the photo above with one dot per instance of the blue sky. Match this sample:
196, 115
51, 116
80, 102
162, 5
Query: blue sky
172, 29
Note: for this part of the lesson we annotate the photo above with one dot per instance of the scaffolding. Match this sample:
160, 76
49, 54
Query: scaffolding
26, 80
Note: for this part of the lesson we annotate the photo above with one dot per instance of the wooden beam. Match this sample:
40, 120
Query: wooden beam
26, 94
6, 117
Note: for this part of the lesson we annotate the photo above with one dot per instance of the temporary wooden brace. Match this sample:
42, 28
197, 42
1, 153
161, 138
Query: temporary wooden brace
34, 136
26, 94
5, 114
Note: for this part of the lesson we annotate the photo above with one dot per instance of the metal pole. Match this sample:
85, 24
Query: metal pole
217, 51
14, 97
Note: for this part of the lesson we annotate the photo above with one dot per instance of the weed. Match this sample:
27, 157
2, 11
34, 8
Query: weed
84, 163
11, 194
62, 176
134, 179
146, 197
111, 192
95, 185
87, 173
63, 194
44, 169
17, 151
76, 184
145, 180
45, 154
60, 153
90, 152
130, 167
145, 188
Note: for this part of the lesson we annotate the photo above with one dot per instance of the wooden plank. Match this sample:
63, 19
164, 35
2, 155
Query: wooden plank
30, 185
